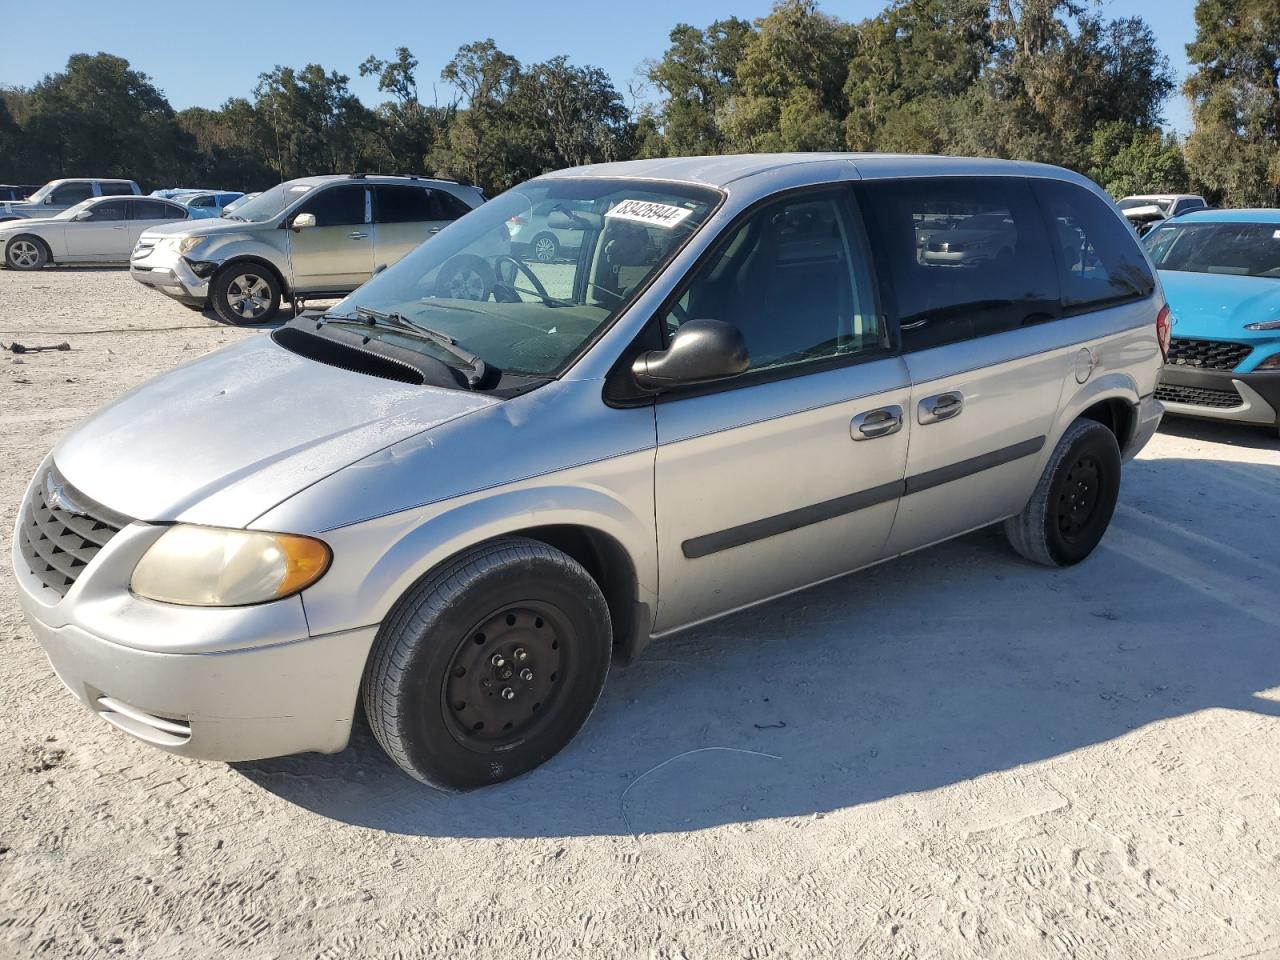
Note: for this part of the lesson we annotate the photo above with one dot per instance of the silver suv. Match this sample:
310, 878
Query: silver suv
58, 195
310, 238
461, 509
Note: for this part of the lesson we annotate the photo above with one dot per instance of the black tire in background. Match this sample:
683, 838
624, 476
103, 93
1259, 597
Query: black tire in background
1072, 504
26, 252
244, 293
489, 666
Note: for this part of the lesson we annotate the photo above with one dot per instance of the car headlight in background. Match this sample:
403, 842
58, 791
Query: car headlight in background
213, 567
182, 245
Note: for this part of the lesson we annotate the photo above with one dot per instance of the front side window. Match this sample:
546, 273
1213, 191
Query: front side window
1102, 263
794, 278
522, 316
336, 206
397, 204
70, 193
1236, 249
964, 257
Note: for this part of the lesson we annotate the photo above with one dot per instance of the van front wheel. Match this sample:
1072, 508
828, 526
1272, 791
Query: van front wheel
1073, 503
489, 666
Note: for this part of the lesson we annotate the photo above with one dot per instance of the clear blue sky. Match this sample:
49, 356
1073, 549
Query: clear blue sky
617, 35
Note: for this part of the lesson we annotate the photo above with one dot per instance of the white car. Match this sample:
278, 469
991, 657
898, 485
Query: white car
98, 230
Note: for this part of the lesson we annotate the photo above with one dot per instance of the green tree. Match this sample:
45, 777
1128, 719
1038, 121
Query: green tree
1125, 159
907, 61
315, 123
1234, 150
102, 118
697, 76
791, 82
406, 128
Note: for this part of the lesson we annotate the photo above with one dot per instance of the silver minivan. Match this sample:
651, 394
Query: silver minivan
461, 509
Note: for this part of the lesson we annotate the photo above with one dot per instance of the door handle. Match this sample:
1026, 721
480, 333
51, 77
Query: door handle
435, 230
914, 325
942, 406
876, 423
356, 236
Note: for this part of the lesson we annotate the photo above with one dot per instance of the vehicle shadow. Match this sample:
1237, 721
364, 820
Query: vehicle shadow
1218, 431
926, 671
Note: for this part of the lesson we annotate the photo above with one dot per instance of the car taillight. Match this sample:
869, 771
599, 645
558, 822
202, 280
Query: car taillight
1164, 330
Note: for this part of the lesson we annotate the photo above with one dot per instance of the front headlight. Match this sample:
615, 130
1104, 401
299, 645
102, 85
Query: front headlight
212, 567
183, 245
1264, 325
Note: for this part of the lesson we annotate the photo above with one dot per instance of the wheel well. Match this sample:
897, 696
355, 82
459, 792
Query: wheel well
611, 568
31, 236
1114, 414
284, 287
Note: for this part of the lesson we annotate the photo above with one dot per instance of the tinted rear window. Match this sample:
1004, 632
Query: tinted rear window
1100, 260
964, 257
445, 206
397, 204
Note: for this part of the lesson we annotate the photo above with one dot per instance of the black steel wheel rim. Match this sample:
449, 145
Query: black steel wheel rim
506, 677
1080, 497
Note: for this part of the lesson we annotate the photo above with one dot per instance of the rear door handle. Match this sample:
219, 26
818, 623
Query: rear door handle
876, 423
356, 236
941, 406
435, 230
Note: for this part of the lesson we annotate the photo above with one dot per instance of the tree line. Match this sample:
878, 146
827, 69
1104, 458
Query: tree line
1046, 80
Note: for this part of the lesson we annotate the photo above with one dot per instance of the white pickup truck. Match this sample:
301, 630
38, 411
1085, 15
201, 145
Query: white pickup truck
58, 195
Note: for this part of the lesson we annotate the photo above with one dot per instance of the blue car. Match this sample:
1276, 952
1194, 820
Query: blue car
1221, 275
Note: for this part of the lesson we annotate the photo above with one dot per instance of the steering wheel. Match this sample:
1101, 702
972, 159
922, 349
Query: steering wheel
538, 290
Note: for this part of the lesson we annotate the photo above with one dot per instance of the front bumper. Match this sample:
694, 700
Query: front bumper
237, 683
171, 274
1222, 394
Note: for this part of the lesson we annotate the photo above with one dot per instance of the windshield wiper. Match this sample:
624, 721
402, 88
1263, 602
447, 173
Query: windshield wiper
368, 317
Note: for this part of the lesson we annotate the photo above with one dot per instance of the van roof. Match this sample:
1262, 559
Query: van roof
720, 171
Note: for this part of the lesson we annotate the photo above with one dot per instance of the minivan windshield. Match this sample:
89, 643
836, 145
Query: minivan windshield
480, 283
1239, 249
270, 203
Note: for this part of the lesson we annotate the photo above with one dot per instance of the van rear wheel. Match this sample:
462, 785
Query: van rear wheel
1074, 500
489, 666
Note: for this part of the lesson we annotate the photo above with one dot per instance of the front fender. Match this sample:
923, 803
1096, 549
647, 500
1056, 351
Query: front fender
377, 561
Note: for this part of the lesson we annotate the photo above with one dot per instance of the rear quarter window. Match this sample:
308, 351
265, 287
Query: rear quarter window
1100, 259
963, 257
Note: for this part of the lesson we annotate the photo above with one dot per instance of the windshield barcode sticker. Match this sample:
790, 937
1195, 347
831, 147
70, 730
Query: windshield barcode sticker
646, 211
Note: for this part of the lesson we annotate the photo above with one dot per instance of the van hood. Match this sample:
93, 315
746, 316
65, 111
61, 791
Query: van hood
224, 439
1217, 306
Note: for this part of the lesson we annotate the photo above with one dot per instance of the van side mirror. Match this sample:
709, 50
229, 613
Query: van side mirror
302, 221
701, 351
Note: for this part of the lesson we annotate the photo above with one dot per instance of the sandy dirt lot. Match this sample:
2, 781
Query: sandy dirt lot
953, 755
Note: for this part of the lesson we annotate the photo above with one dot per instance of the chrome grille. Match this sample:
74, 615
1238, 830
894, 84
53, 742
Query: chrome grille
1206, 354
62, 531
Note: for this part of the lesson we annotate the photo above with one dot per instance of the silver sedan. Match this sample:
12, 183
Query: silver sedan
97, 230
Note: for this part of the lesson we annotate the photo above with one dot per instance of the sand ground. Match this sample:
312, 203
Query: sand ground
954, 755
